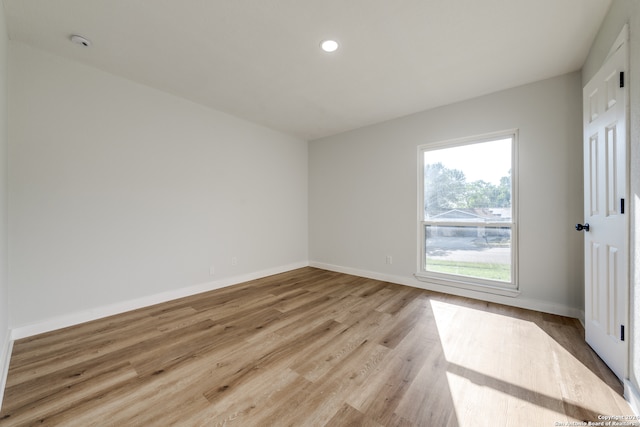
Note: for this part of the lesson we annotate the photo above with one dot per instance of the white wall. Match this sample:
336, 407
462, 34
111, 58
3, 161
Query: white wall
5, 341
363, 191
119, 192
627, 12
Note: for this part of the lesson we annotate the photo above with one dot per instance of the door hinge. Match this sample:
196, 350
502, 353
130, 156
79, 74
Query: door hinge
621, 332
621, 206
621, 78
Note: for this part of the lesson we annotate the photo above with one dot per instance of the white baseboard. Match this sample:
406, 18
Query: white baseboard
529, 304
72, 319
76, 318
632, 396
7, 346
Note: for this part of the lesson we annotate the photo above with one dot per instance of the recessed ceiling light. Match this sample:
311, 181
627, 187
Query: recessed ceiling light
329, 45
82, 41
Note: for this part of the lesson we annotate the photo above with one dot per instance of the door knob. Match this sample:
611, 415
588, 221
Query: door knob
581, 227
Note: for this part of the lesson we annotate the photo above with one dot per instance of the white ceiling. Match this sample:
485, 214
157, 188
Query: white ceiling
260, 59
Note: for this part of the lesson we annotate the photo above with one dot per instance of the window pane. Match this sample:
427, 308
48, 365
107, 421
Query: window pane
472, 251
469, 182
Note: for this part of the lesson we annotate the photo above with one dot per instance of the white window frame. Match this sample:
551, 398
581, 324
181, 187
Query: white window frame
477, 284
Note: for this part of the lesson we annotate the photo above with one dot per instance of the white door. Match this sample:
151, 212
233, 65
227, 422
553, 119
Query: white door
605, 210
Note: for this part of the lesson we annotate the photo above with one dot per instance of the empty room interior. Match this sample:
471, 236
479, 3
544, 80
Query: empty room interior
320, 213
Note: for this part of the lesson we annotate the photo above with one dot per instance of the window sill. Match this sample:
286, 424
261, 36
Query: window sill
496, 290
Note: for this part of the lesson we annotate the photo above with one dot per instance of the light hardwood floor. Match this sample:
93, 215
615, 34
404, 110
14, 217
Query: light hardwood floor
313, 348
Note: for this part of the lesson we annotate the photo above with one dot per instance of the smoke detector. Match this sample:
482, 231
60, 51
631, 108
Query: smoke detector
82, 41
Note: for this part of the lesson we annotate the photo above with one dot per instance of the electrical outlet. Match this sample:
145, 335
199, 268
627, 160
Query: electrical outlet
234, 261
389, 259
212, 271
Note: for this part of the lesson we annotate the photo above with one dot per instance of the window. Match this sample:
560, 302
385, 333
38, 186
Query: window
467, 213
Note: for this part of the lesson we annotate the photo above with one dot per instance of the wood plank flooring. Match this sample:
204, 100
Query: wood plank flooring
313, 348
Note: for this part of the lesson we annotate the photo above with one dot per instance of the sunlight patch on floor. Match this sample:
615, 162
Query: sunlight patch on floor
494, 363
